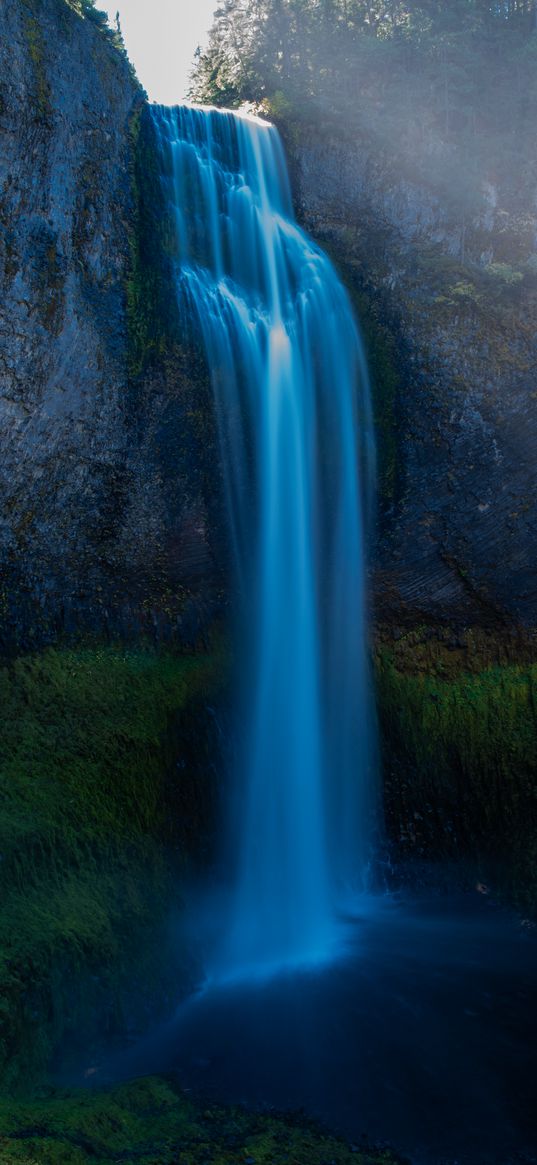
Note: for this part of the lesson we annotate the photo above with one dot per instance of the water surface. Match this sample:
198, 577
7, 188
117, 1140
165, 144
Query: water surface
423, 1034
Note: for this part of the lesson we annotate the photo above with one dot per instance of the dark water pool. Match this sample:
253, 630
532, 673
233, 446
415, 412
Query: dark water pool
423, 1034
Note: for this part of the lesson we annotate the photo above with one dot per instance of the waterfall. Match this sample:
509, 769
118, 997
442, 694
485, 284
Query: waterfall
292, 404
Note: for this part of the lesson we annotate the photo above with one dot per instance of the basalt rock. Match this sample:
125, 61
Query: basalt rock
105, 523
448, 301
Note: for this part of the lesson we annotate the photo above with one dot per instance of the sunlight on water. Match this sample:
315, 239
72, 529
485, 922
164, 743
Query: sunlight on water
292, 403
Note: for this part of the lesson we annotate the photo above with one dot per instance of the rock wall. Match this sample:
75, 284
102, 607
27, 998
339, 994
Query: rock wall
104, 522
455, 298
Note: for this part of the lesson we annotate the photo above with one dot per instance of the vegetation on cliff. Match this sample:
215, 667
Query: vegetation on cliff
459, 732
88, 10
151, 314
97, 823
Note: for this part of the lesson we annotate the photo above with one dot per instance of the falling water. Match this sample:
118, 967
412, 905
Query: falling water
292, 403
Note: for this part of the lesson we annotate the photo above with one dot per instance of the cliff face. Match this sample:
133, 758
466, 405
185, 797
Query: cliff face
94, 534
455, 292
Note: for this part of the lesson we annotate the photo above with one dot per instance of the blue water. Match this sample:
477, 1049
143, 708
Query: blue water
423, 1034
292, 403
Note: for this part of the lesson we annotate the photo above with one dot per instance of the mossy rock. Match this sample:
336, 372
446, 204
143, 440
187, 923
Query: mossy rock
152, 315
150, 1122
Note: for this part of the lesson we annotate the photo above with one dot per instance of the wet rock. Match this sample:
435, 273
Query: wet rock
456, 408
105, 525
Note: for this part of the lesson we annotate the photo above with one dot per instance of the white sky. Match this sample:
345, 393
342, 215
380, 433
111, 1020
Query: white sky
161, 37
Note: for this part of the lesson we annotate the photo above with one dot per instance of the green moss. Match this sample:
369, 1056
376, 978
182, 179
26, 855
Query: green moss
461, 761
149, 1121
36, 47
85, 749
49, 282
492, 293
151, 304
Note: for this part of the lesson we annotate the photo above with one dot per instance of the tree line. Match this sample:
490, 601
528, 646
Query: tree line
304, 47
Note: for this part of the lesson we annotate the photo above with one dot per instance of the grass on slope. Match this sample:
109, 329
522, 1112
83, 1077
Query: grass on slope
84, 876
149, 1122
461, 765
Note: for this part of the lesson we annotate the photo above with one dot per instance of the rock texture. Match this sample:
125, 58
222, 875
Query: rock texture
458, 295
103, 516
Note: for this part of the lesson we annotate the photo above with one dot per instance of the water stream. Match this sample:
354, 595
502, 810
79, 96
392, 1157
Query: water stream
292, 401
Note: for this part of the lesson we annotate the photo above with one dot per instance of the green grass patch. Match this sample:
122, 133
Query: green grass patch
460, 752
88, 810
150, 1122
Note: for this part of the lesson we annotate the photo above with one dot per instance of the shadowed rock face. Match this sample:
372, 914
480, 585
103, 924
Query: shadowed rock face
104, 521
459, 521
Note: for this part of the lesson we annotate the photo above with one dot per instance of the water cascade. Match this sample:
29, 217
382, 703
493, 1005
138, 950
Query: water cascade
292, 404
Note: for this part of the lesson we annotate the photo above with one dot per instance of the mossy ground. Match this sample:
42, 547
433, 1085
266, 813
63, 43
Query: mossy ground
86, 831
150, 1122
459, 730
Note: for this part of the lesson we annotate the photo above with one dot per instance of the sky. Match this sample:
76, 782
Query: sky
161, 37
